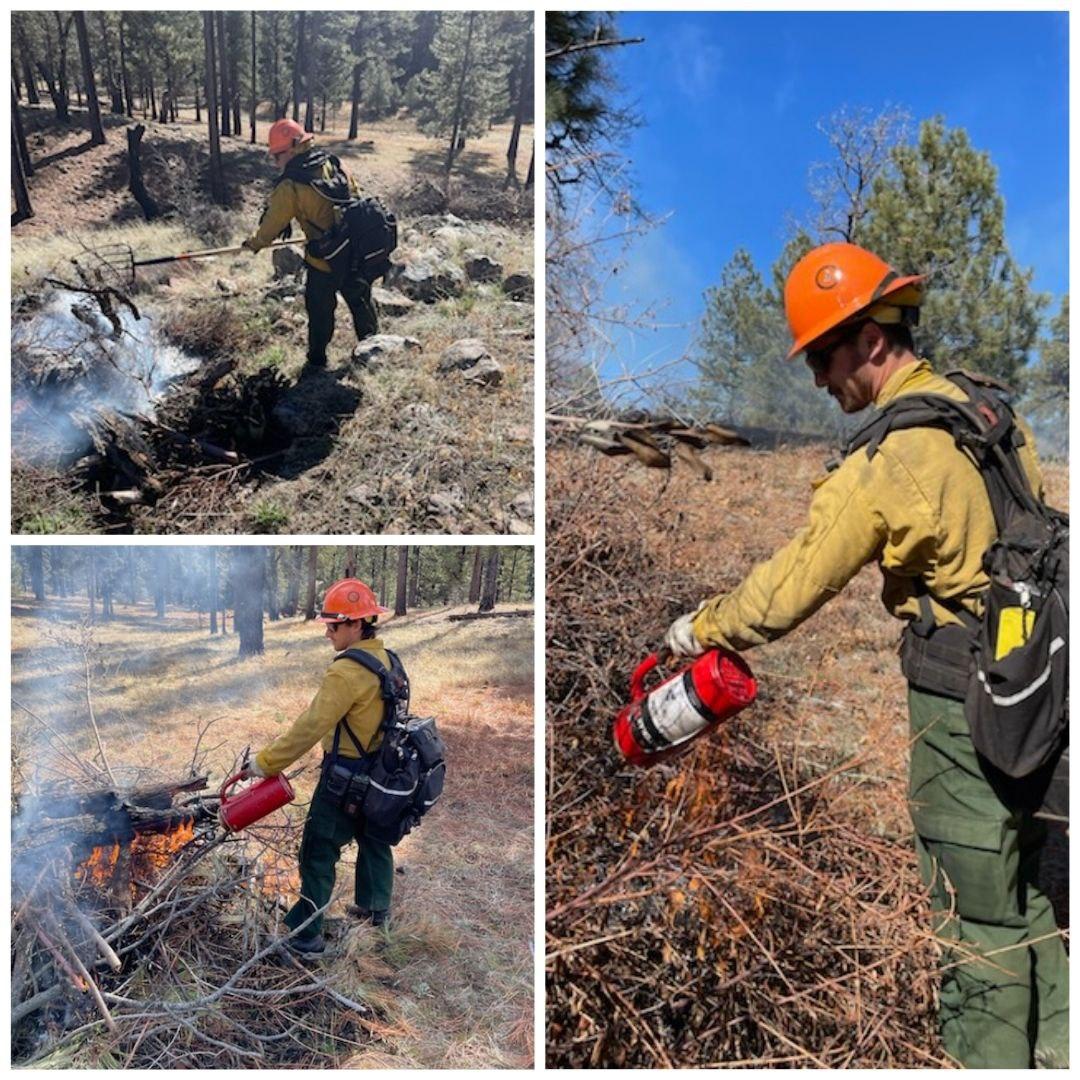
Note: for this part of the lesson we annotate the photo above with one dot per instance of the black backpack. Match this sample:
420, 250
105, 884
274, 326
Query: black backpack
1010, 667
401, 780
364, 233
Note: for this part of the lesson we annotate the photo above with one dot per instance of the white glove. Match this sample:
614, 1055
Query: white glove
680, 640
251, 768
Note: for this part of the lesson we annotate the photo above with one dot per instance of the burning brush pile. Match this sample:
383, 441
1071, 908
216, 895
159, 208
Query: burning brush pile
146, 936
99, 394
727, 909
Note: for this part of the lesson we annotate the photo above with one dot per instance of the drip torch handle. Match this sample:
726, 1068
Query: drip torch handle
637, 680
229, 783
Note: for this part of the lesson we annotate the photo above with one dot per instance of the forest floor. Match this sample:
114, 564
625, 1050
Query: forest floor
452, 980
771, 871
390, 443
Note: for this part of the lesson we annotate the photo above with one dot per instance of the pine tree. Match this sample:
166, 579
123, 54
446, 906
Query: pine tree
467, 89
941, 213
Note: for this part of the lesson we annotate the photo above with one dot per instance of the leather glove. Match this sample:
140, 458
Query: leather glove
680, 639
249, 244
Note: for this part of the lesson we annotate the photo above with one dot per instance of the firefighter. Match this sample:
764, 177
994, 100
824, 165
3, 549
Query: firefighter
350, 694
294, 196
918, 508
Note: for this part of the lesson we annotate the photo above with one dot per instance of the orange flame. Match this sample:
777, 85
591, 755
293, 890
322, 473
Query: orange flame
148, 856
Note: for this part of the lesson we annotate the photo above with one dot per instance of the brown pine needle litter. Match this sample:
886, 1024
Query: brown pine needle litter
755, 903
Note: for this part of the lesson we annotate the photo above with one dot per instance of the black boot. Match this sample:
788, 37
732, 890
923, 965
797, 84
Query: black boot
313, 946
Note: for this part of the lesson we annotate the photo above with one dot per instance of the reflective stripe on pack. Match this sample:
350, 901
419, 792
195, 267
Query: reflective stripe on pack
394, 791
1014, 699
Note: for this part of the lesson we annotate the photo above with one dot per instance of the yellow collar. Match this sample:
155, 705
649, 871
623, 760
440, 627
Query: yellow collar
910, 379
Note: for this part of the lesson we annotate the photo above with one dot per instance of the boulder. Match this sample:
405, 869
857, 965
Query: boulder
426, 280
376, 348
286, 261
519, 286
390, 302
463, 354
481, 267
485, 372
226, 286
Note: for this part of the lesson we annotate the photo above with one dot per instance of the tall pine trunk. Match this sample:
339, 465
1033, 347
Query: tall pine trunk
309, 601
213, 590
254, 78
97, 132
217, 180
474, 581
414, 579
19, 157
459, 104
400, 607
248, 580
491, 580
298, 66
354, 114
223, 73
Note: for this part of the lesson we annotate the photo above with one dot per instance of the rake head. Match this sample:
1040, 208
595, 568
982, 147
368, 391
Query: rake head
114, 261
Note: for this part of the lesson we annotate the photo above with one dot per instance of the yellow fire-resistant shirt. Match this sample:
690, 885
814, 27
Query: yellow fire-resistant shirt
314, 214
918, 508
348, 690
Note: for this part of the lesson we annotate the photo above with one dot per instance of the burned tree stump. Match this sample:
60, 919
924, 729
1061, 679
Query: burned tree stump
136, 183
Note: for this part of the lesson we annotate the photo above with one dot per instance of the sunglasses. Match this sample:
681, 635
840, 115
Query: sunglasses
820, 360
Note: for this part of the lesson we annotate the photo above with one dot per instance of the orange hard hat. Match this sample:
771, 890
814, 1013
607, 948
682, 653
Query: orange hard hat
836, 283
285, 134
349, 599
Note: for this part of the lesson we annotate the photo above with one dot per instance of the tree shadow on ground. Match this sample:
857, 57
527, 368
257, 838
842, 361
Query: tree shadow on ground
470, 165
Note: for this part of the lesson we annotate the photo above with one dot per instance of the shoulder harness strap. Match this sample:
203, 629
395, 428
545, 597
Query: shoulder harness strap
984, 428
393, 685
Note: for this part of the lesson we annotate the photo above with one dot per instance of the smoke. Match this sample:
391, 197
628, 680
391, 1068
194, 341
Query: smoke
68, 362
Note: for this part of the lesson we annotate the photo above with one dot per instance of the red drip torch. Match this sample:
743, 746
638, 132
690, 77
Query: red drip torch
254, 802
662, 723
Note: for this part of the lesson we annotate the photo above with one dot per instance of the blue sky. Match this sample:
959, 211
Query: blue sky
730, 102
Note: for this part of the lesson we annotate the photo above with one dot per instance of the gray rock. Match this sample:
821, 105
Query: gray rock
426, 281
364, 494
379, 346
286, 261
481, 267
519, 286
390, 302
463, 354
485, 372
517, 527
446, 503
428, 223
522, 505
226, 286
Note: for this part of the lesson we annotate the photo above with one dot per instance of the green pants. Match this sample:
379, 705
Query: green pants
320, 299
1005, 979
326, 831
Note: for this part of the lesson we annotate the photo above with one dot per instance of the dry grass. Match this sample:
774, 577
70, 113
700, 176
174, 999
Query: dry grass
452, 979
757, 902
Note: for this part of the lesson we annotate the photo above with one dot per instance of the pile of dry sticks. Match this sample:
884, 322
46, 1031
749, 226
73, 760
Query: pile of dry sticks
145, 936
722, 910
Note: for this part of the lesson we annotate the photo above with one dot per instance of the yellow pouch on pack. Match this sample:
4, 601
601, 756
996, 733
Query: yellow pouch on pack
1014, 628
